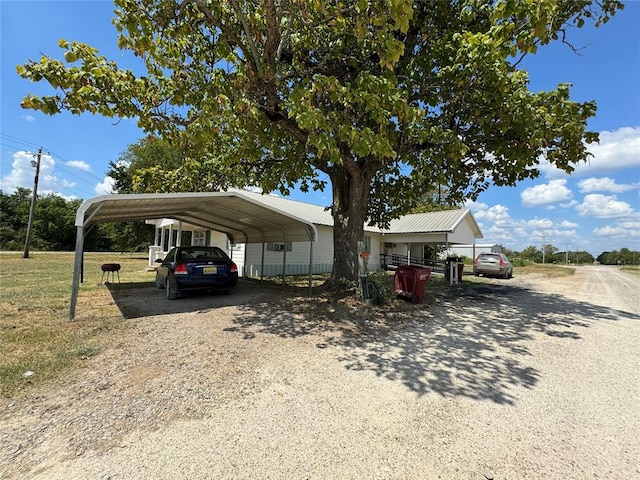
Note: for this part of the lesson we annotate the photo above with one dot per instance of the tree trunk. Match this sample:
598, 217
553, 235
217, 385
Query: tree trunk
350, 196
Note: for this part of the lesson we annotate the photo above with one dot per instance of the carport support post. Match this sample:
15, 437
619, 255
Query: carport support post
284, 261
310, 264
77, 269
262, 264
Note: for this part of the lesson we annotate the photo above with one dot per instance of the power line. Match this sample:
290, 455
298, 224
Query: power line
19, 140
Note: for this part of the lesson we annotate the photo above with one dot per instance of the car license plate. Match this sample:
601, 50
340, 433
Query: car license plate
210, 270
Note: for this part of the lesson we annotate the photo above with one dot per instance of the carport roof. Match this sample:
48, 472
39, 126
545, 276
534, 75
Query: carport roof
246, 217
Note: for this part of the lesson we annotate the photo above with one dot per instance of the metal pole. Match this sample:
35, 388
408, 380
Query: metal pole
77, 269
310, 264
32, 210
262, 264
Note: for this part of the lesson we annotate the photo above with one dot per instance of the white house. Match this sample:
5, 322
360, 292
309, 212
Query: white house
406, 240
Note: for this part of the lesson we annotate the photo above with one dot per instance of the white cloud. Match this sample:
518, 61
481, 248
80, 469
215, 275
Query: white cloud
617, 150
540, 224
23, 172
609, 231
603, 206
80, 165
630, 224
497, 214
105, 187
28, 118
568, 224
603, 184
475, 206
553, 192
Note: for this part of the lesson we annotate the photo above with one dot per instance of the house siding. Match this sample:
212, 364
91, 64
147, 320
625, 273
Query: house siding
410, 235
297, 258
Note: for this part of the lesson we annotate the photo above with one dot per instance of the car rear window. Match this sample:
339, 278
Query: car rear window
202, 253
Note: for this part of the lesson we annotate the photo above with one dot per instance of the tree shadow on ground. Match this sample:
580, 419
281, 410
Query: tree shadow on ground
473, 342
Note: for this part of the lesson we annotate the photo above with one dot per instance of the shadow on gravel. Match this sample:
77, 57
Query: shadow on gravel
471, 343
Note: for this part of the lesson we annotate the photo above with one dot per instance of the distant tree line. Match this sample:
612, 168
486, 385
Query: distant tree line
54, 226
552, 254
622, 257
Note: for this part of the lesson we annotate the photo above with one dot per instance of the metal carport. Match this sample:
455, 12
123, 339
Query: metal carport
244, 216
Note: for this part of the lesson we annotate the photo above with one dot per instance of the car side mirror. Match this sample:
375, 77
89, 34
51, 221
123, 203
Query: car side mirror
158, 260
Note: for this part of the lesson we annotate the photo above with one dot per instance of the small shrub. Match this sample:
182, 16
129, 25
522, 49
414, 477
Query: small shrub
380, 288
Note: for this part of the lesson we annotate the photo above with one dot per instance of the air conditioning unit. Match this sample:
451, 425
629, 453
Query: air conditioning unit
279, 247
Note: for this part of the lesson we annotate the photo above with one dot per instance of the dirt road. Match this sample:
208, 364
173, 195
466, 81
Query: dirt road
526, 378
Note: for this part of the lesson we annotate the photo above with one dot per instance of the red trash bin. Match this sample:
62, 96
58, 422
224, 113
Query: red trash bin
409, 282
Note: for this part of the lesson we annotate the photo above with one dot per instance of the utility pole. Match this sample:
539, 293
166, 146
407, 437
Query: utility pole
32, 211
543, 247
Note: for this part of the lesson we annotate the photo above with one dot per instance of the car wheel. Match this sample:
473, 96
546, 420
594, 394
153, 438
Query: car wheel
228, 291
510, 273
171, 290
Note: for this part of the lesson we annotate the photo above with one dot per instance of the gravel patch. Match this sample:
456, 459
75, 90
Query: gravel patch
523, 378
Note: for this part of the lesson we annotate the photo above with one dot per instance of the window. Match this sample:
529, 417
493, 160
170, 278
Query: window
280, 246
199, 237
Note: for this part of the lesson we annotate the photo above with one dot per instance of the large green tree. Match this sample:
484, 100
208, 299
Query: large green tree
141, 162
387, 98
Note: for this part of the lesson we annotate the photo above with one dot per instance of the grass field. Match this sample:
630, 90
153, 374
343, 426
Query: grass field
35, 332
37, 336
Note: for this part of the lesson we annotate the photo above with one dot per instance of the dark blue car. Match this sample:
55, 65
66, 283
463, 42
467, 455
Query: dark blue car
196, 268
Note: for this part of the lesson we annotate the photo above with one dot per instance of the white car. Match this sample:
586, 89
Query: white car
493, 264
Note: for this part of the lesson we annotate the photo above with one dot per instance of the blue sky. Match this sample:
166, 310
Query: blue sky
596, 209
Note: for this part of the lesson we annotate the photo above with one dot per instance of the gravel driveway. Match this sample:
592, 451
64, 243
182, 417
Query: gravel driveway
516, 379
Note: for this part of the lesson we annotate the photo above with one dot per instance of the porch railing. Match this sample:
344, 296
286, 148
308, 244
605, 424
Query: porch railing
392, 260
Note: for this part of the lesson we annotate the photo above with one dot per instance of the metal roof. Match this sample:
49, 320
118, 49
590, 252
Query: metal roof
245, 216
445, 221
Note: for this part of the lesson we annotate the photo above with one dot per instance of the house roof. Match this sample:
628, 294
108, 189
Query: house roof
445, 221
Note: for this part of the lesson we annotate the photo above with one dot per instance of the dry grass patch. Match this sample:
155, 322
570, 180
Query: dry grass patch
548, 270
38, 342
